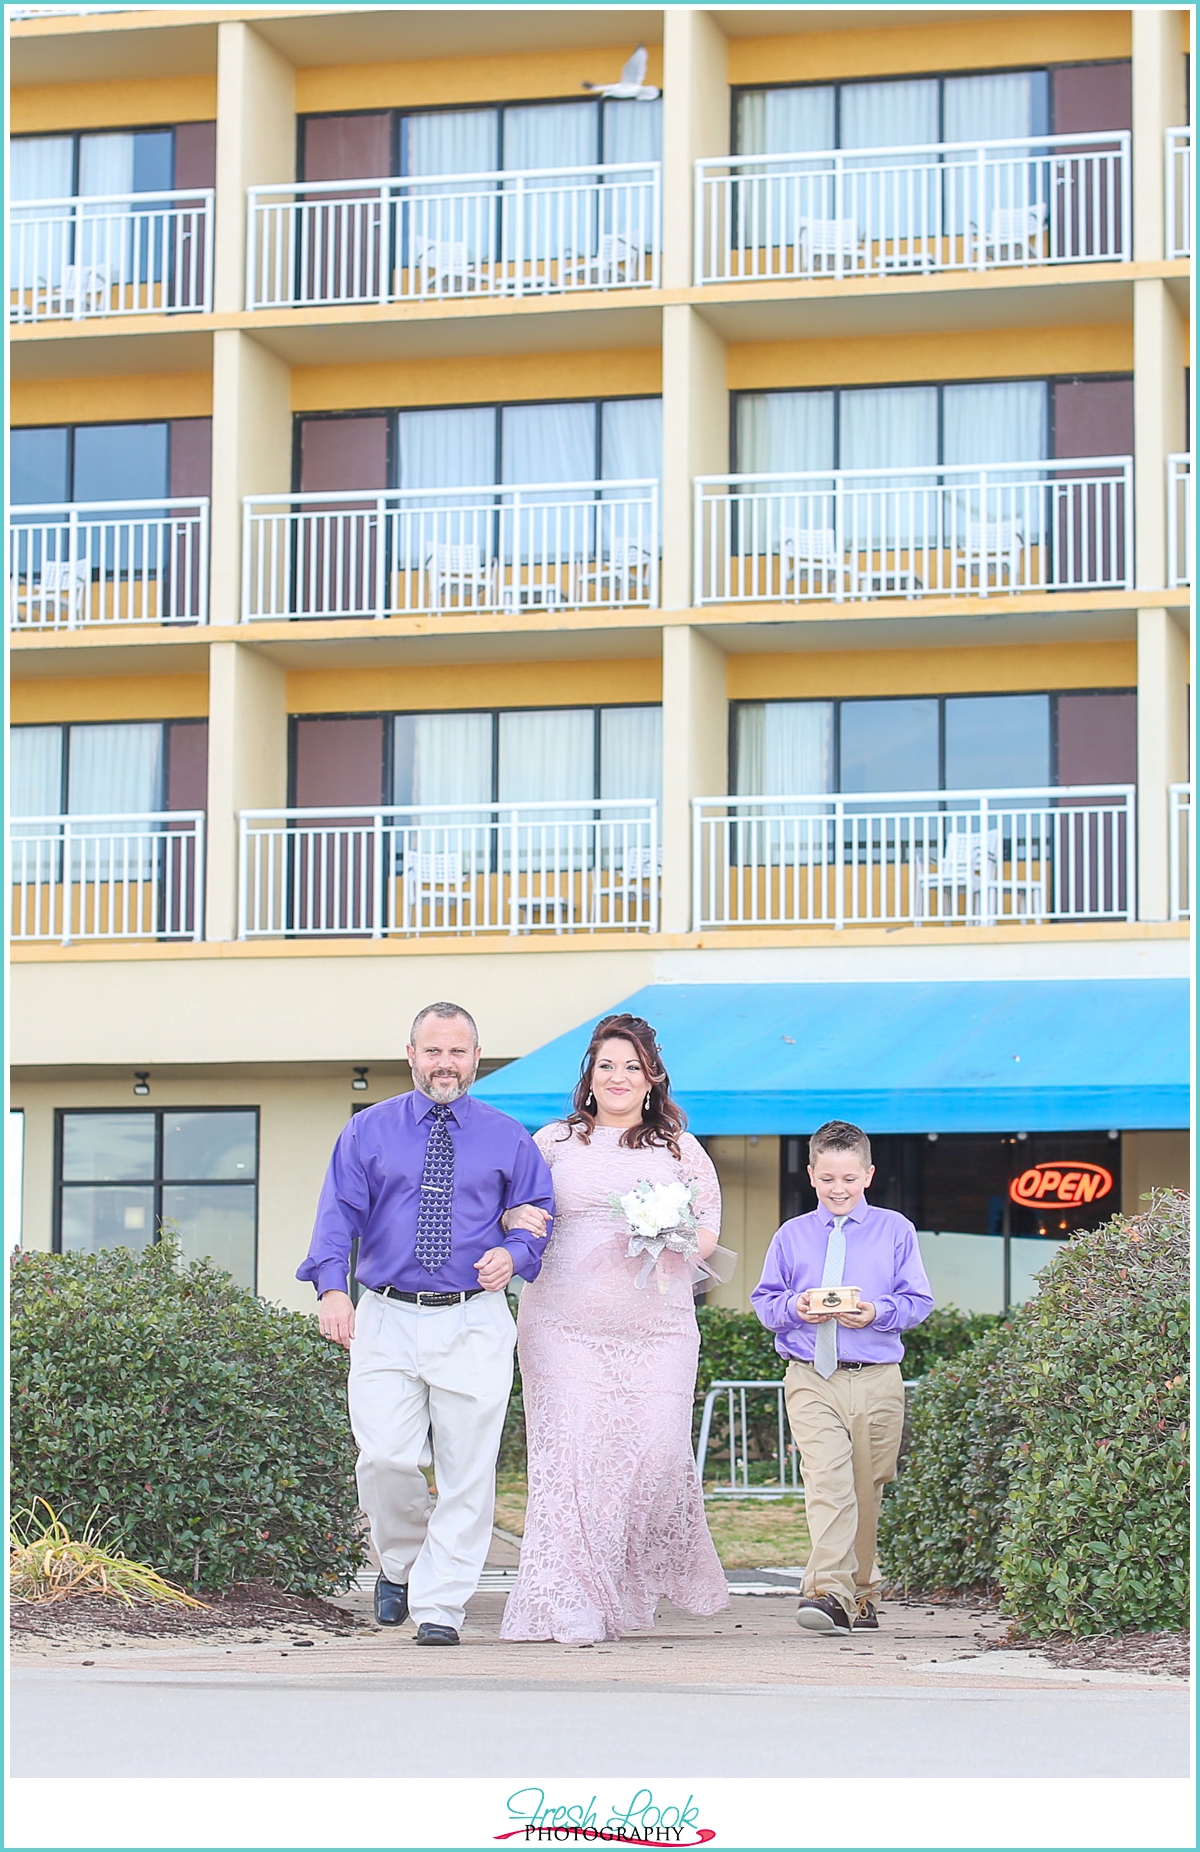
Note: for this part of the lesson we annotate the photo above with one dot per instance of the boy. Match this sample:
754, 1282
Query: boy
845, 1398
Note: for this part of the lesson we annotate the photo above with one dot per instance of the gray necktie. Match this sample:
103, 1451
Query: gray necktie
825, 1355
437, 1194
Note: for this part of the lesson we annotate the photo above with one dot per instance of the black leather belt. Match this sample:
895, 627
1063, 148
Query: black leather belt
392, 1292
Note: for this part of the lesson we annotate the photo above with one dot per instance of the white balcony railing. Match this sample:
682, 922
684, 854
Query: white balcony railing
401, 552
966, 858
118, 254
989, 205
114, 877
1178, 197
1181, 521
535, 232
1180, 797
442, 868
76, 564
959, 531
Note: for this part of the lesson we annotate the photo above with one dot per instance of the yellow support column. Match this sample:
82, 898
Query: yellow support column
695, 756
247, 764
1162, 730
256, 145
695, 123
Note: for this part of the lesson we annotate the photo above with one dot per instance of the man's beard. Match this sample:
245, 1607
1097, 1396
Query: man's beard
445, 1090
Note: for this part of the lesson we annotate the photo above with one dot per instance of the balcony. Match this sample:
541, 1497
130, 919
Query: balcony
1181, 527
1181, 851
1178, 193
404, 871
950, 206
108, 877
74, 565
952, 858
966, 531
433, 551
119, 254
535, 232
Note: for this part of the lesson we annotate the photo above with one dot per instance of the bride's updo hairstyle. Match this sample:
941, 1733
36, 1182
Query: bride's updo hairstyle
662, 1120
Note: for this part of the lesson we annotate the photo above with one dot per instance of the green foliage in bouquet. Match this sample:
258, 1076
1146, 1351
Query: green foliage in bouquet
206, 1428
1051, 1459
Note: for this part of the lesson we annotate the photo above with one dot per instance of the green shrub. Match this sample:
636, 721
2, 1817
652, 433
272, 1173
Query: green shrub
1051, 1459
207, 1426
1096, 1526
946, 1333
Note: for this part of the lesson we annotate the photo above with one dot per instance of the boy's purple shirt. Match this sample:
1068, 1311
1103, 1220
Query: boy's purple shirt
882, 1260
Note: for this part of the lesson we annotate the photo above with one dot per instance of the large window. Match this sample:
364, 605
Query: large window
110, 462
938, 742
506, 136
122, 1177
527, 755
122, 768
106, 162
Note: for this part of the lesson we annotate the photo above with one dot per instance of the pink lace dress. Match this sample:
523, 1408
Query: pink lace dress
615, 1517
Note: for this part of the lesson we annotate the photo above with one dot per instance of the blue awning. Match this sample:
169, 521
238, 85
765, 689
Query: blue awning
1045, 1055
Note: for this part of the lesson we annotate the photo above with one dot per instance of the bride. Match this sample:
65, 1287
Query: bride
608, 1348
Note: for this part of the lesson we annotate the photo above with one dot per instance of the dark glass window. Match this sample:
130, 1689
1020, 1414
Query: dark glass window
889, 745
110, 462
125, 1175
997, 742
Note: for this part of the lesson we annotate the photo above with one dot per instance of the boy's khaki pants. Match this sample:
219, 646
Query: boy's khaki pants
847, 1428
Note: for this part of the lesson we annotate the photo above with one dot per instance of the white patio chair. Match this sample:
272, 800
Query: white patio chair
442, 262
64, 584
622, 885
91, 281
617, 262
625, 575
460, 575
832, 239
433, 885
962, 870
988, 547
814, 552
1016, 229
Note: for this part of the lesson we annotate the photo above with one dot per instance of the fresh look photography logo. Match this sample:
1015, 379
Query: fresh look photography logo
644, 1820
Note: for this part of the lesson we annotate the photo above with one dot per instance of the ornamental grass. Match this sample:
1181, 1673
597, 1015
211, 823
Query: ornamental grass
45, 1563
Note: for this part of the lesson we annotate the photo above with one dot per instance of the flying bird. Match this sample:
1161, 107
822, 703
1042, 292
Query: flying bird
632, 87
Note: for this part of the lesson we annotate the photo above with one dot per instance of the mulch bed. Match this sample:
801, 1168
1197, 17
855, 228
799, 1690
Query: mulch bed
1160, 1654
251, 1607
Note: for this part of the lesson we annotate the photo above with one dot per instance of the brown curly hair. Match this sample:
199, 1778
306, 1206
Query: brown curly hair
662, 1120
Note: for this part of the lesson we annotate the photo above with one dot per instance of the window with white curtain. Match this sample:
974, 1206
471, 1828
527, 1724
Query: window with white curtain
631, 752
783, 748
892, 112
785, 431
526, 756
575, 440
115, 770
891, 427
35, 774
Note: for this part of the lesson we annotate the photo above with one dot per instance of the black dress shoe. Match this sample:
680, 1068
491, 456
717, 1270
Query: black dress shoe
391, 1602
430, 1633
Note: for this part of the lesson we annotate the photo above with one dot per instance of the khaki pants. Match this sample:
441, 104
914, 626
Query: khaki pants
848, 1429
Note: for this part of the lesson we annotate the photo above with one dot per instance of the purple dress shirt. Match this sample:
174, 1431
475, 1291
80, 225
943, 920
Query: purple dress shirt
882, 1260
372, 1191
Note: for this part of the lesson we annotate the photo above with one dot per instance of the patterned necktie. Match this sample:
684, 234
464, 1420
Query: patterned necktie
825, 1350
437, 1194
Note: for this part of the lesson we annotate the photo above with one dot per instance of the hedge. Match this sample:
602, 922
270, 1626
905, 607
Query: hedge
1051, 1461
207, 1427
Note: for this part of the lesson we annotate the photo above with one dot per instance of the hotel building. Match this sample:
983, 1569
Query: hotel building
726, 544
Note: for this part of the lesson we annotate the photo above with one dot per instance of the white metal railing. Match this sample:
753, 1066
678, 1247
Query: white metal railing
988, 205
108, 877
529, 232
787, 1460
1181, 521
550, 545
1180, 799
112, 254
958, 530
970, 858
76, 564
449, 868
1178, 195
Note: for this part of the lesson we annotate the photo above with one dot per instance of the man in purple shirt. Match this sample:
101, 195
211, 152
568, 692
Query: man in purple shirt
423, 1182
844, 1393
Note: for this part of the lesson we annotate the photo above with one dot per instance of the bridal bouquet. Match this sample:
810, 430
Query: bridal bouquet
658, 1216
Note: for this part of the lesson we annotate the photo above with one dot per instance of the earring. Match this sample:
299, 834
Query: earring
646, 1101
589, 1105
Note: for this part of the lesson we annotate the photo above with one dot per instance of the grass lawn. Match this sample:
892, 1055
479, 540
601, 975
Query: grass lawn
750, 1533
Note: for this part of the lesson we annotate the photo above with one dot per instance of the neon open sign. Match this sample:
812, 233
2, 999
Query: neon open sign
1063, 1184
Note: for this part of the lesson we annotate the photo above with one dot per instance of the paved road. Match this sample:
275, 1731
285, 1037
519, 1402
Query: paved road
171, 1723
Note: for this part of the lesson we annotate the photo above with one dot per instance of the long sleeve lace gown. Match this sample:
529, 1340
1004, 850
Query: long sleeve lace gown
616, 1516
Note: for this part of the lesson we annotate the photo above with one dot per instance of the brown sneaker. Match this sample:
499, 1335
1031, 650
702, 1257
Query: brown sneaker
866, 1615
822, 1614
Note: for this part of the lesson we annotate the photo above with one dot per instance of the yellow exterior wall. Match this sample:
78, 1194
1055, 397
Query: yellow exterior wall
748, 1169
109, 401
990, 40
975, 353
428, 82
46, 109
1004, 668
477, 379
464, 685
1153, 1161
109, 697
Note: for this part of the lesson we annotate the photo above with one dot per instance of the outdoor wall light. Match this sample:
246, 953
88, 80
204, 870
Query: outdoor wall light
141, 1084
932, 1137
1114, 1135
1021, 1137
359, 1083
